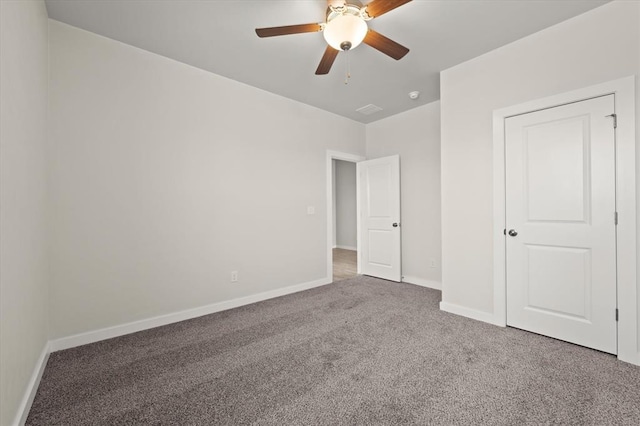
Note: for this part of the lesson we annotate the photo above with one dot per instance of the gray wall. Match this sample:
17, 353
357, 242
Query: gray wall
166, 178
415, 136
598, 46
24, 300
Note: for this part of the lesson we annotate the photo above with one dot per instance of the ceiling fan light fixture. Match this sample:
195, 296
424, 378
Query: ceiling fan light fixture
345, 30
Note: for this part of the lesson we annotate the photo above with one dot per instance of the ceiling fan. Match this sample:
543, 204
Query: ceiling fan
345, 28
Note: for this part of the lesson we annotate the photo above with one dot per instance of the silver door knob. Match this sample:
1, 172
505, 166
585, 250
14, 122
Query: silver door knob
513, 232
395, 225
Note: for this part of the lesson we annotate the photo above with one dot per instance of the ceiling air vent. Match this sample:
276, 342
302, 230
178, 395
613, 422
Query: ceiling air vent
369, 109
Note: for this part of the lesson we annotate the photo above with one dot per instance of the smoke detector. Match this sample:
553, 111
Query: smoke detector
414, 95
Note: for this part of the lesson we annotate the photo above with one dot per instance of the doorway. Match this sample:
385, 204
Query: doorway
348, 250
560, 222
345, 223
627, 302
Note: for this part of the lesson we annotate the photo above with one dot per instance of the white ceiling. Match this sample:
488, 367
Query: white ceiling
218, 36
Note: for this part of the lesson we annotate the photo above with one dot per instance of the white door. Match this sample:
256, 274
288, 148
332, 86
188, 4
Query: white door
560, 219
379, 225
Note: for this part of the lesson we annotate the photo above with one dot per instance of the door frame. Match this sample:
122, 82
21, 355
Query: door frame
351, 158
627, 295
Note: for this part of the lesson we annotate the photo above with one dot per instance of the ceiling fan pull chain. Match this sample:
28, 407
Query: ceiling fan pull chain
346, 80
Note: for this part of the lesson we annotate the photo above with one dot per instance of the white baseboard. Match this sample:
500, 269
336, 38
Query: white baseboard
436, 285
631, 360
145, 324
469, 313
346, 247
32, 387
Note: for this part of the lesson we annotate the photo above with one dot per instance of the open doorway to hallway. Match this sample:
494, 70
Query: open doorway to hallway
345, 224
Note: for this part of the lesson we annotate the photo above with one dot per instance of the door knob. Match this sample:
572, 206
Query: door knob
513, 232
395, 225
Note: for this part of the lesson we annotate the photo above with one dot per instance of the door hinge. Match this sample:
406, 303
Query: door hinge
615, 120
504, 231
616, 314
615, 217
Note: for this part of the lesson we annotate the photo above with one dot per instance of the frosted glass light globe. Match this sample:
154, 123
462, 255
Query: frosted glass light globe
345, 28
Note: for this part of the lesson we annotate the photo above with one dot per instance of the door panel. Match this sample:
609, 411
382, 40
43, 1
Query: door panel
547, 290
379, 195
546, 199
560, 187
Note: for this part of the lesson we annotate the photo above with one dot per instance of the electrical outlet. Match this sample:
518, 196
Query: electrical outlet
234, 276
433, 263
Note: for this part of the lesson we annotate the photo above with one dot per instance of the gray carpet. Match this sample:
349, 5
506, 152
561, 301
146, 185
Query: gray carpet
361, 351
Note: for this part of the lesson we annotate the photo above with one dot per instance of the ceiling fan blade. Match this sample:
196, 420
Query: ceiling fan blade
289, 29
385, 45
380, 7
327, 61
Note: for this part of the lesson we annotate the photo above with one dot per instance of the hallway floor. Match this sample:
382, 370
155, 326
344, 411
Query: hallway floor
345, 264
